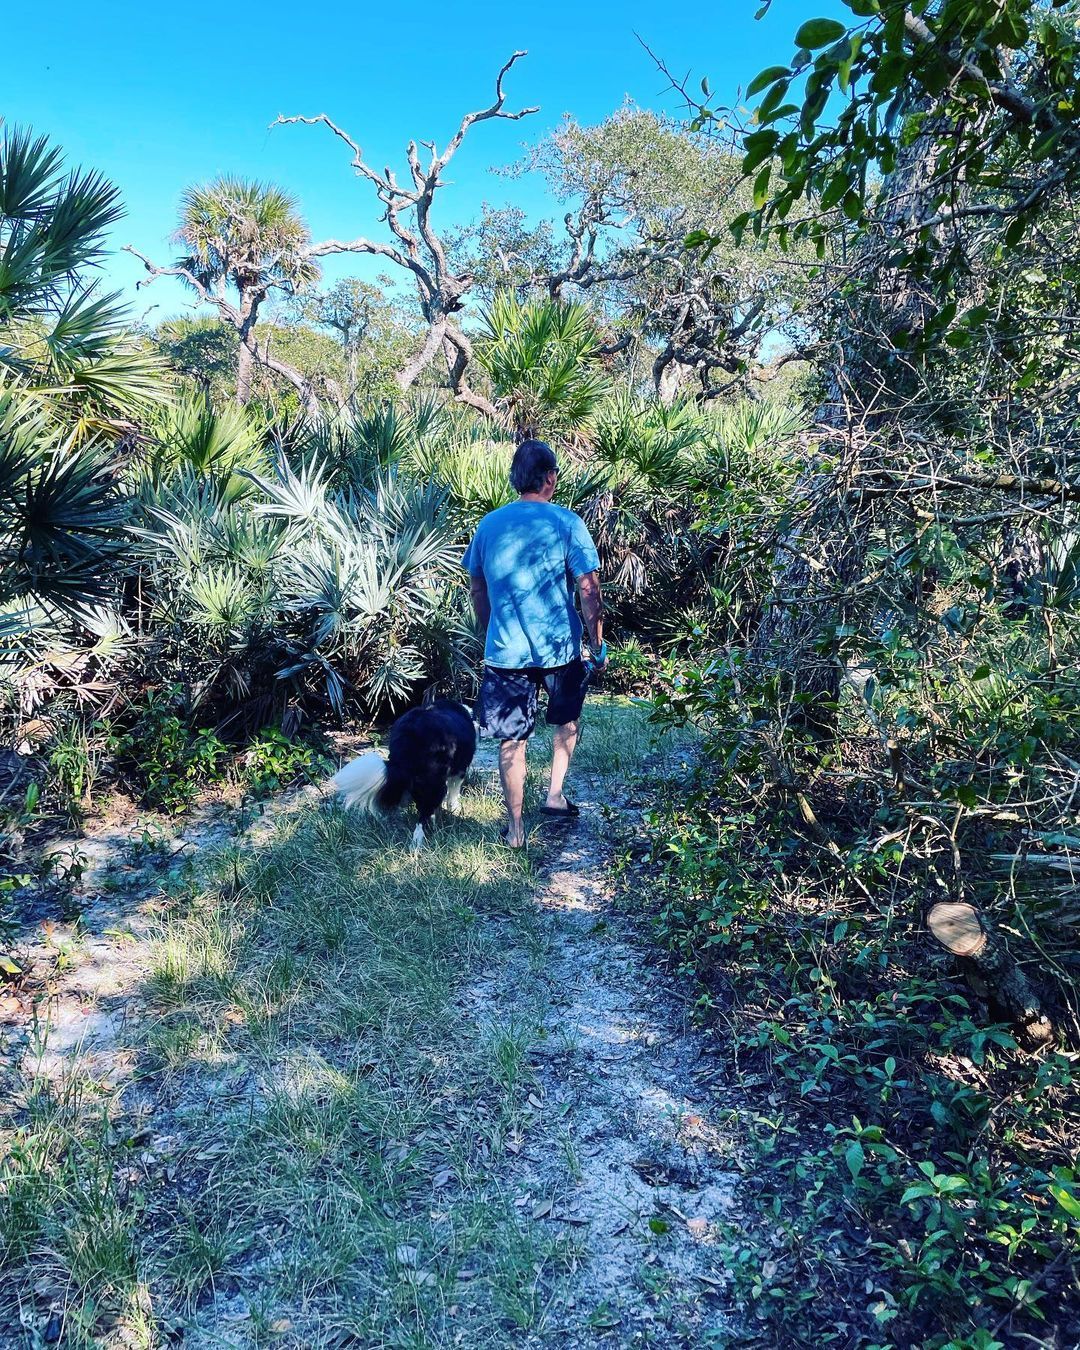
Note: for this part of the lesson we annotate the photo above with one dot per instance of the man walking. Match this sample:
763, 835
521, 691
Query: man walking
523, 562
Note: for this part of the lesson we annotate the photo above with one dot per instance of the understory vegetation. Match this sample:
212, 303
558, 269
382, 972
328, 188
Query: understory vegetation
914, 1172
809, 364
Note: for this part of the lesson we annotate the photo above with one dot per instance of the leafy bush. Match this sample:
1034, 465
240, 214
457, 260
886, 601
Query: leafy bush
272, 762
912, 1176
168, 758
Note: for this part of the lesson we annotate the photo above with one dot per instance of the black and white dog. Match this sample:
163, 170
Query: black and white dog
429, 750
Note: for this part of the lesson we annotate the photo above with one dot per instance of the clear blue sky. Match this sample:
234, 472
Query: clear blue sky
159, 98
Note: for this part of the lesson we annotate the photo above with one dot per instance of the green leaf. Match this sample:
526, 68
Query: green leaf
949, 1185
855, 1158
769, 108
766, 77
836, 187
1015, 231
659, 1226
819, 33
738, 226
939, 1112
761, 187
852, 205
758, 146
1067, 1201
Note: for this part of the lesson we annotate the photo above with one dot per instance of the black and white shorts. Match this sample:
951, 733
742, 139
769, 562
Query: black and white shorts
508, 701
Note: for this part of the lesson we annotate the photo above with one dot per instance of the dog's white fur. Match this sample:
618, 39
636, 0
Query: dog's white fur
359, 781
453, 795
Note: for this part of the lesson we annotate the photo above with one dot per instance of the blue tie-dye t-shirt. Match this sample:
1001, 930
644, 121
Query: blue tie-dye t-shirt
530, 554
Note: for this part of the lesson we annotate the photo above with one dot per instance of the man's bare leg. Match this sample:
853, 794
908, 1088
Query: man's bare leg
562, 753
512, 773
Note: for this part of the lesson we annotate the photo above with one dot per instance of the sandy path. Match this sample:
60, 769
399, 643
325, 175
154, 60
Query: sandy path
620, 1147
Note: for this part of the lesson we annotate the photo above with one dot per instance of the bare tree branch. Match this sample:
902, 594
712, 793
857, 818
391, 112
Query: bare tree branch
229, 311
494, 111
420, 247
296, 378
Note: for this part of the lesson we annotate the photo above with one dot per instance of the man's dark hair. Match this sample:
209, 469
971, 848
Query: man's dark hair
533, 461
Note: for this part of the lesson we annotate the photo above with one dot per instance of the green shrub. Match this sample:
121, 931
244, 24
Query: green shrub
167, 758
913, 1169
272, 762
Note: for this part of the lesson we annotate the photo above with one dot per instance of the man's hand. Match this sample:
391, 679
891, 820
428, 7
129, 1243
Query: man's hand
598, 658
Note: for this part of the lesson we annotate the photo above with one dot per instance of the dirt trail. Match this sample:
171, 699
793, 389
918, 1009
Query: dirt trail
619, 1149
623, 1149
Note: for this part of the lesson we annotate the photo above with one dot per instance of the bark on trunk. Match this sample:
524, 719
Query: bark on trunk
414, 368
668, 375
248, 354
245, 371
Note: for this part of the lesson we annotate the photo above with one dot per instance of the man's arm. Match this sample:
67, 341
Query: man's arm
481, 602
592, 611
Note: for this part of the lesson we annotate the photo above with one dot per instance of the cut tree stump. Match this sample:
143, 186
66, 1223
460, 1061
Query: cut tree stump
989, 968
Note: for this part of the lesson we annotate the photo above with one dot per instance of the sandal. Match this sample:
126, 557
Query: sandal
571, 812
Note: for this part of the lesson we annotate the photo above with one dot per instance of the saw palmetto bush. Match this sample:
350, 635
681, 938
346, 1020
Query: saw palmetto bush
650, 442
543, 359
192, 443
642, 509
72, 385
295, 589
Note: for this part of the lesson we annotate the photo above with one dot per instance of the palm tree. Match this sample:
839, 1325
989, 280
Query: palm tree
71, 384
543, 360
249, 238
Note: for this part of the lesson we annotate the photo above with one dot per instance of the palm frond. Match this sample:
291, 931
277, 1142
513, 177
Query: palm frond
222, 445
51, 225
61, 517
542, 357
236, 229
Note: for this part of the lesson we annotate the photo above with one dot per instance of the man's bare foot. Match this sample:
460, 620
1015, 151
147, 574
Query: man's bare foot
513, 836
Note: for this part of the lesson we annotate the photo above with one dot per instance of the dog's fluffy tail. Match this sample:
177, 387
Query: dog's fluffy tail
361, 780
